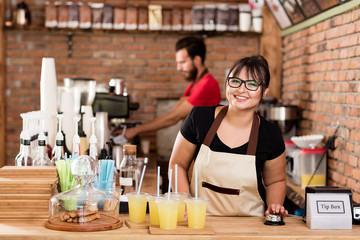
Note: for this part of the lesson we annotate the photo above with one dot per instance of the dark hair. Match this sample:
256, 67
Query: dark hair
194, 47
257, 68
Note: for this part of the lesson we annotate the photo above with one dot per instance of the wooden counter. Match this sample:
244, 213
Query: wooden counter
224, 228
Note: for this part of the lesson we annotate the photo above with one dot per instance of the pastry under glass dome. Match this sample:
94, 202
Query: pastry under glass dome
84, 208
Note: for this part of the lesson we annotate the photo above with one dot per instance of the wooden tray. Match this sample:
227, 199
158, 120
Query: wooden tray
101, 224
20, 196
28, 172
181, 230
132, 225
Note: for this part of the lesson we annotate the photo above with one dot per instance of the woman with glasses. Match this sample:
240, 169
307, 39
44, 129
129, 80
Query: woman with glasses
239, 156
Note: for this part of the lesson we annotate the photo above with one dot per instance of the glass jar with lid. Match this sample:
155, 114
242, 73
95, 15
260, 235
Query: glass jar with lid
84, 208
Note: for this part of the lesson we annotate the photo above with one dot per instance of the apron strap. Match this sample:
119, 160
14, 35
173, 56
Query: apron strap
214, 127
251, 150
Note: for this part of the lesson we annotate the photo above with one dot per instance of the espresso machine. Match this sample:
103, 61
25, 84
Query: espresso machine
117, 103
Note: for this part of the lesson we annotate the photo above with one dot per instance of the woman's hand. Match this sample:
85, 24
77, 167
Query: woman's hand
277, 209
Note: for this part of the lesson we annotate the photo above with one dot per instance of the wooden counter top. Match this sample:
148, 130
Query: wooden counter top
224, 227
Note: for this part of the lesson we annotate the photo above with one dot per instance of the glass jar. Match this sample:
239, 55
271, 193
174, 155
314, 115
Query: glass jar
84, 208
129, 170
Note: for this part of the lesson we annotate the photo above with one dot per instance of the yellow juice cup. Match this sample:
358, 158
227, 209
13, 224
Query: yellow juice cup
196, 210
181, 209
168, 211
137, 207
153, 209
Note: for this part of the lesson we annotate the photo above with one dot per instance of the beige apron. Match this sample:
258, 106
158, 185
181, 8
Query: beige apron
228, 180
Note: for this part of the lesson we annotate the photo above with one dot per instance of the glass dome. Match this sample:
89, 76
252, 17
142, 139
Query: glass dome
84, 208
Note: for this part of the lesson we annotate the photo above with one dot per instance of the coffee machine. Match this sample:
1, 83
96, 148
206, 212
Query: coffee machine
116, 102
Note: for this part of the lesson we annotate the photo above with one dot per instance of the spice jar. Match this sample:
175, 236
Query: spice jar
131, 17
176, 19
119, 18
51, 15
197, 18
84, 15
209, 17
187, 22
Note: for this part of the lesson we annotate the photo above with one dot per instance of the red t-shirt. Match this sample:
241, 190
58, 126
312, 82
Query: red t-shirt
206, 92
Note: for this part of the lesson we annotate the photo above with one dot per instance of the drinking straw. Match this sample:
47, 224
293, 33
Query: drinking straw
196, 184
106, 174
158, 181
67, 181
141, 180
169, 188
176, 178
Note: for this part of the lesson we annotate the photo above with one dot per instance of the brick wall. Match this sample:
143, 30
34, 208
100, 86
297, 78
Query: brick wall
146, 60
321, 74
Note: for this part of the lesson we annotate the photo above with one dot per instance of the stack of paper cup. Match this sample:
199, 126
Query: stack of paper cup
102, 129
48, 96
88, 113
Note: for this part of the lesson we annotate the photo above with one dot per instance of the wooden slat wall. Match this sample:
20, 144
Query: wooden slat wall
2, 84
270, 48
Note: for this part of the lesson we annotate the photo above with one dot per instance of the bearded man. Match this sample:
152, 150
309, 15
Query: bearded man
203, 89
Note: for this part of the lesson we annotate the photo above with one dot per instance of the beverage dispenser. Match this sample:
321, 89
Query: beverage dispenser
306, 164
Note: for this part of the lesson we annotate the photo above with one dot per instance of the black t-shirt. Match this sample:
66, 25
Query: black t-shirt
270, 141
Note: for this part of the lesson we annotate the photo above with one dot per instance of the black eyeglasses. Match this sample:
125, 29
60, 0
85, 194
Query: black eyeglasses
250, 85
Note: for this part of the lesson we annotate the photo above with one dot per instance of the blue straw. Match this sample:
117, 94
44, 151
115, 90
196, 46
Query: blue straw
196, 184
158, 181
111, 174
176, 184
170, 176
141, 180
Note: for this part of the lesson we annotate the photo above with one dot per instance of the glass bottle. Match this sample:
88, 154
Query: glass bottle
58, 150
93, 141
25, 158
76, 139
129, 170
41, 158
21, 138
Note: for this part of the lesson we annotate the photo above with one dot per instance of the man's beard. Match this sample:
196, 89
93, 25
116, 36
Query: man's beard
192, 73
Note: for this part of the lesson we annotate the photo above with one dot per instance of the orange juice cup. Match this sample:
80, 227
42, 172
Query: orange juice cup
196, 210
168, 211
153, 209
137, 207
181, 209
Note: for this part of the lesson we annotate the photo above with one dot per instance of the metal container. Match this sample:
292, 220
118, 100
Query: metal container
84, 87
285, 116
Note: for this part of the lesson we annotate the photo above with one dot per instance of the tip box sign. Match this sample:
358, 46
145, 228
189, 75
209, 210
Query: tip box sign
328, 211
330, 207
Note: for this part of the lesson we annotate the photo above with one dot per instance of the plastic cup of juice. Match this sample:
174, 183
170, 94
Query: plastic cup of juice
153, 209
181, 209
137, 206
196, 210
168, 211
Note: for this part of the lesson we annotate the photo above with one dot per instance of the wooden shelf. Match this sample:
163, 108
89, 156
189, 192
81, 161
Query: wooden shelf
114, 31
296, 194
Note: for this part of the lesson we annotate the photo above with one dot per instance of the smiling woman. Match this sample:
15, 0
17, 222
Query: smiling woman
240, 157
